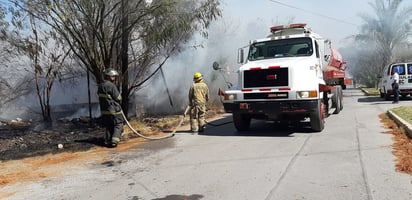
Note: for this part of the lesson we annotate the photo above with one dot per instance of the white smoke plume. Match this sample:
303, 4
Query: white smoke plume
225, 37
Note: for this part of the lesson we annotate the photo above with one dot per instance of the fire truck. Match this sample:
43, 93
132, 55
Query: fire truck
291, 75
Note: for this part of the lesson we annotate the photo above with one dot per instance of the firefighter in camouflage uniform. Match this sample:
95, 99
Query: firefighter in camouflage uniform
198, 96
110, 107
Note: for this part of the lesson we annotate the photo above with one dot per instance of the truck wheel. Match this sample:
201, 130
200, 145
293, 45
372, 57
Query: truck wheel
337, 99
317, 118
338, 106
381, 94
341, 99
241, 121
387, 97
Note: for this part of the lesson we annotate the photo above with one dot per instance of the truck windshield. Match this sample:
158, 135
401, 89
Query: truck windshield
281, 48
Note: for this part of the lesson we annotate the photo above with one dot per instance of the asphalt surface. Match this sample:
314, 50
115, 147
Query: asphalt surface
351, 159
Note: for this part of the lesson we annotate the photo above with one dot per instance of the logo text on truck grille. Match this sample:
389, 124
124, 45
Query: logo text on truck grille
271, 77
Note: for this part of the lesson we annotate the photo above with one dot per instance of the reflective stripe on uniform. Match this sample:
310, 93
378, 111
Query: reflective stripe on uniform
105, 112
119, 98
105, 96
108, 96
116, 139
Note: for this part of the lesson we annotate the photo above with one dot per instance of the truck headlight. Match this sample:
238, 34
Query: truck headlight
306, 94
230, 97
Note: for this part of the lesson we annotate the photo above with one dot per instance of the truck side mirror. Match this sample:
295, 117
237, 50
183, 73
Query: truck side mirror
215, 65
240, 55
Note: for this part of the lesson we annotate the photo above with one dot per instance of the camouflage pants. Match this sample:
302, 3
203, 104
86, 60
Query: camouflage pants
114, 128
197, 118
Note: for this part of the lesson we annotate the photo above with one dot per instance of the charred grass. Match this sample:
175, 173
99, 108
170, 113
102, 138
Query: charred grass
20, 140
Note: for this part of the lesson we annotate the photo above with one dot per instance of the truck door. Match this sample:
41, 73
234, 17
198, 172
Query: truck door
321, 56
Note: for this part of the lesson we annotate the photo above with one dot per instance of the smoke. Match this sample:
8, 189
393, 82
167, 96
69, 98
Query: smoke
225, 37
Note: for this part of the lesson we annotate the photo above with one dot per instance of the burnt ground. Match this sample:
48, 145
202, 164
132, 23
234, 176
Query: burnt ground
20, 139
23, 139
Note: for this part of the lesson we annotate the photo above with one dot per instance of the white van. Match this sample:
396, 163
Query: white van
405, 80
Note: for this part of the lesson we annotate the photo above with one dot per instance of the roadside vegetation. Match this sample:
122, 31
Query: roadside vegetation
404, 112
370, 91
402, 145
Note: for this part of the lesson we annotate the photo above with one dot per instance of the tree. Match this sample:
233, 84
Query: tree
12, 84
387, 30
101, 32
367, 68
45, 54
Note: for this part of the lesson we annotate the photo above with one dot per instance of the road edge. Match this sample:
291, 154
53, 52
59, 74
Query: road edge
401, 122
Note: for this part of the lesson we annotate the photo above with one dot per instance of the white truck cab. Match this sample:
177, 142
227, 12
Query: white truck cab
405, 79
282, 79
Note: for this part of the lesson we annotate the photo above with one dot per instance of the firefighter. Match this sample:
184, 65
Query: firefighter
110, 107
198, 96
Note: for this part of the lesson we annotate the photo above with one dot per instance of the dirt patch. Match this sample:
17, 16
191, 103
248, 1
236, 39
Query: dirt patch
30, 152
402, 145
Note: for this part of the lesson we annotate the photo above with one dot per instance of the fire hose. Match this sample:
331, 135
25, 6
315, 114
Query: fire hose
173, 132
156, 138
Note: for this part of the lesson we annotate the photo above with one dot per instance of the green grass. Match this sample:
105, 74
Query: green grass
371, 91
404, 112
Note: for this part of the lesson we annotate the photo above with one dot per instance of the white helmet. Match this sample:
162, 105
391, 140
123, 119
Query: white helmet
111, 72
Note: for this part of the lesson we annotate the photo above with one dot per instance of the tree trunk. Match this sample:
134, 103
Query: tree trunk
89, 96
125, 58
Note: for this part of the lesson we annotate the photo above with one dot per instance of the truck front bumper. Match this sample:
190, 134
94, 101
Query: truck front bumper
272, 109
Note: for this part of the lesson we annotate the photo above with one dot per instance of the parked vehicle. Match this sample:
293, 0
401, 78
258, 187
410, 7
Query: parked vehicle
405, 80
291, 75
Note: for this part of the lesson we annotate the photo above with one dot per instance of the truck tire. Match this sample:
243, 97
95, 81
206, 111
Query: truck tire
337, 99
387, 97
317, 118
241, 121
341, 99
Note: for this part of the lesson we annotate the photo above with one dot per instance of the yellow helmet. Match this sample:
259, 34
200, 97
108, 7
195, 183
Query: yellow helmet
197, 76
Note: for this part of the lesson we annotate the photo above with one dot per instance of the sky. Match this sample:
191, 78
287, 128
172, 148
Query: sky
335, 20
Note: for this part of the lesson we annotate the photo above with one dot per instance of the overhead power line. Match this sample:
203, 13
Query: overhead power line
313, 13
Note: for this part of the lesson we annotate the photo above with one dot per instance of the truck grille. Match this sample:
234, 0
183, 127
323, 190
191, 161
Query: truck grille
271, 95
266, 78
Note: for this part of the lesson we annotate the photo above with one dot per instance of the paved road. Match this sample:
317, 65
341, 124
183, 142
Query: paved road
350, 159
